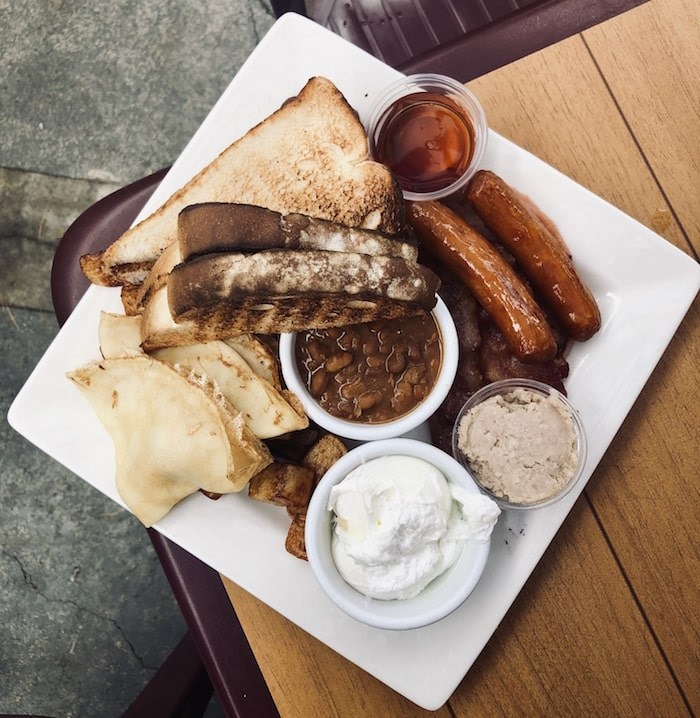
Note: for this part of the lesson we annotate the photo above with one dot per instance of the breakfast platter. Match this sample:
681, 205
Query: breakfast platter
244, 539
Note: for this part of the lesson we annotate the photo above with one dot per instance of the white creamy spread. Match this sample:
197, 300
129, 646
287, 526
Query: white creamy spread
399, 524
521, 446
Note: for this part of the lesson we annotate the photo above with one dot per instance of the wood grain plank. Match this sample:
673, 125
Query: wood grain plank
650, 58
556, 105
573, 644
647, 497
645, 490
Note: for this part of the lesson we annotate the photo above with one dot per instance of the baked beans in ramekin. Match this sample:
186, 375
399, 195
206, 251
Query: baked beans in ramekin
373, 381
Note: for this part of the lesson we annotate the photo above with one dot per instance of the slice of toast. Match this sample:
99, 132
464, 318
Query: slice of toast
271, 276
275, 315
310, 156
226, 226
213, 227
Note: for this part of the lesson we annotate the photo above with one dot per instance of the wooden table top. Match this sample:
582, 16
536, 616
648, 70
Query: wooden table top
608, 622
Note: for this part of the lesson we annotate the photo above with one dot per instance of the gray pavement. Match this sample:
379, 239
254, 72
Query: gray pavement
93, 95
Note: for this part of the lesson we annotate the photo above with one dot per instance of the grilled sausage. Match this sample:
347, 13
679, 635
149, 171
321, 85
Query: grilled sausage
541, 255
491, 280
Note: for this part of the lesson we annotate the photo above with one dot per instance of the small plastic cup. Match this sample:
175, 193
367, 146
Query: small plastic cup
506, 439
431, 132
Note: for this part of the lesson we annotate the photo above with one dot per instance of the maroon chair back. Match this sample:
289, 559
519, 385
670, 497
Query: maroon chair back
460, 38
93, 231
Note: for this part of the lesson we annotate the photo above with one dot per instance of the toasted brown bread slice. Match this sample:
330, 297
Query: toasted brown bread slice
225, 227
276, 314
310, 156
130, 294
157, 277
272, 276
158, 328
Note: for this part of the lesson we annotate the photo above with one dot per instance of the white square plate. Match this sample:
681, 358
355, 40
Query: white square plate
644, 287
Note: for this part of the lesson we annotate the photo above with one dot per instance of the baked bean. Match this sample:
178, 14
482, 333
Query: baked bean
352, 390
420, 391
336, 362
403, 396
380, 370
413, 350
395, 362
385, 336
370, 346
368, 399
318, 383
315, 350
375, 361
346, 374
415, 374
344, 341
344, 409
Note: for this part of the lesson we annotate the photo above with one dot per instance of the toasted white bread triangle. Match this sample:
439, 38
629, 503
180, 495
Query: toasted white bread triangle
310, 156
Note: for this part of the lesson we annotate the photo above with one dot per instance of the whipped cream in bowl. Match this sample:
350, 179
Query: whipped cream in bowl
398, 533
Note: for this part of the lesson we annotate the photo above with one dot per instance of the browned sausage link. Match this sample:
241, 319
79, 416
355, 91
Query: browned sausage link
488, 276
540, 255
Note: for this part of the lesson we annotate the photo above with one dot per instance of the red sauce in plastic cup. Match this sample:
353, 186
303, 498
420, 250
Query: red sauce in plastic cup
431, 132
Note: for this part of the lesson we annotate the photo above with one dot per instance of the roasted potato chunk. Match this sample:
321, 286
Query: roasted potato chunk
291, 485
286, 485
323, 454
318, 459
295, 542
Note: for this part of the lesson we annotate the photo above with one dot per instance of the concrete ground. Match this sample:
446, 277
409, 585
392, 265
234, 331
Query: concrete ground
93, 95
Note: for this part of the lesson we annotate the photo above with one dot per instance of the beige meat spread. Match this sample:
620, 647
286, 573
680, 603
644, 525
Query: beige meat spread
521, 446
